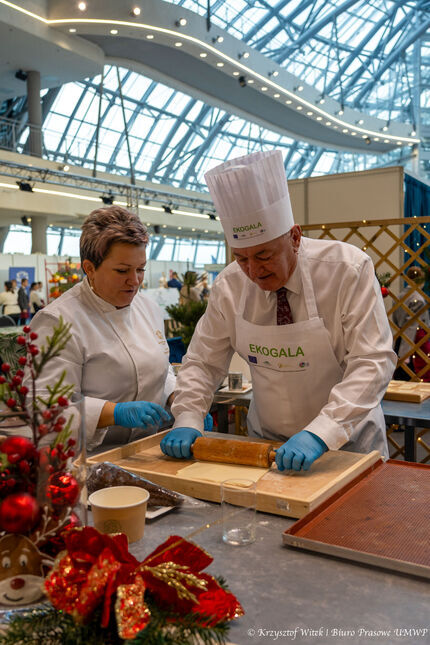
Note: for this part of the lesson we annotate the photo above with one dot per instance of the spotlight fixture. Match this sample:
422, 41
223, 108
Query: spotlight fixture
181, 22
107, 199
243, 55
321, 100
82, 6
218, 39
156, 229
367, 141
136, 11
242, 81
299, 88
20, 75
167, 209
25, 186
273, 73
212, 216
26, 220
65, 167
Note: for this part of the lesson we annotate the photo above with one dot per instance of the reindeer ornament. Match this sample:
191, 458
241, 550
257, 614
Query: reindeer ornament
21, 570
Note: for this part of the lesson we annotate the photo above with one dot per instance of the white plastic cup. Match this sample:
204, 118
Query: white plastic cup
235, 381
238, 507
120, 509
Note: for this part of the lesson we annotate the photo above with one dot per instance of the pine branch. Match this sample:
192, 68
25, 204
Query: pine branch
55, 344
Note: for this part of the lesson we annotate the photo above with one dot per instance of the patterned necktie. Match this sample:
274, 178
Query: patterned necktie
283, 311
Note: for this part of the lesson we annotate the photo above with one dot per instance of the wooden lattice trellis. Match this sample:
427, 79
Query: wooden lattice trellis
386, 243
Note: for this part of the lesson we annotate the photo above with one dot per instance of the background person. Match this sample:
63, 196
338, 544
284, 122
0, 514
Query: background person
306, 315
174, 282
24, 301
9, 302
35, 299
117, 357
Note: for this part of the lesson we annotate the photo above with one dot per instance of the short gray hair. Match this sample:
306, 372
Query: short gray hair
106, 226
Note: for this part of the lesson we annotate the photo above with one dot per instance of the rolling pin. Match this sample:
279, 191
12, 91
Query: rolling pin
231, 451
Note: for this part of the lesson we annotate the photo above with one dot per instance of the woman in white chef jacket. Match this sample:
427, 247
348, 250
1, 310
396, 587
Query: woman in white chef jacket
320, 370
117, 357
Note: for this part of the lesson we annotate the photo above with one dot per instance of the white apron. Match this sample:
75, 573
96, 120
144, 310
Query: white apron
293, 369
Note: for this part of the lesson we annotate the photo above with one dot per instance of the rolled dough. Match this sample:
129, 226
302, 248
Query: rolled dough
217, 473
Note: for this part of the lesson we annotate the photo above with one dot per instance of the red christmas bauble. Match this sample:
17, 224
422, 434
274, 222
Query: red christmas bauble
384, 292
62, 490
19, 512
17, 448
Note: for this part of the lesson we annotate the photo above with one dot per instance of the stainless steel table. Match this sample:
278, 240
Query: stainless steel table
291, 595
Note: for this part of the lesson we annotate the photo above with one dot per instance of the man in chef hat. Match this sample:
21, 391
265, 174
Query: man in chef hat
306, 315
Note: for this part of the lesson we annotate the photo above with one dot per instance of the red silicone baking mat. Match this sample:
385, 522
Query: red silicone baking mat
382, 518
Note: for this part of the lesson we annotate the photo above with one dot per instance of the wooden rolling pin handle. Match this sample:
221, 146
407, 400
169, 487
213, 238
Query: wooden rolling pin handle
272, 455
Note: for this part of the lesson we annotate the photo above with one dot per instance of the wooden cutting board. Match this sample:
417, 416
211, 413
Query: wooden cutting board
286, 493
409, 391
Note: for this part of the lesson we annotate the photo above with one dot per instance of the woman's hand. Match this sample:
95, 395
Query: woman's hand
139, 414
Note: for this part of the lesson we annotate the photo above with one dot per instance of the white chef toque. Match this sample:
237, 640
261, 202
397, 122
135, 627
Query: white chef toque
251, 198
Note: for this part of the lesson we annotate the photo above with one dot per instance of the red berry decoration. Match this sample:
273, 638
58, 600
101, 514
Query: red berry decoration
21, 340
33, 335
23, 390
384, 292
62, 489
5, 367
63, 402
2, 380
22, 360
11, 403
17, 448
26, 329
18, 513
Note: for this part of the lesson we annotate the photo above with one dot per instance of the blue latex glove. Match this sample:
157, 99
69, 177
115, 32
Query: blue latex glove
139, 414
177, 443
208, 423
300, 451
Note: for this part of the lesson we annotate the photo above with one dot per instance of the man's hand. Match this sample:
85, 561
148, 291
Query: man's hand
139, 414
300, 451
177, 443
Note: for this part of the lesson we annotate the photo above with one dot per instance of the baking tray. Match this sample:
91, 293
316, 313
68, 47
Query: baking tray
381, 518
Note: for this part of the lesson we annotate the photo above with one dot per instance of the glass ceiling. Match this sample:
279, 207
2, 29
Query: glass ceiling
367, 54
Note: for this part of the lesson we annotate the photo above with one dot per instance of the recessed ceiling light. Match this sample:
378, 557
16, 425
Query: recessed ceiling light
328, 122
218, 39
179, 228
275, 73
178, 44
206, 231
376, 139
203, 54
413, 133
345, 130
319, 118
136, 11
354, 133
340, 112
288, 101
276, 96
386, 141
82, 6
299, 107
300, 88
322, 101
72, 30
114, 32
251, 81
193, 229
309, 113
150, 36
360, 122
236, 73
220, 64
264, 88
399, 143
385, 128
181, 22
364, 136
164, 225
